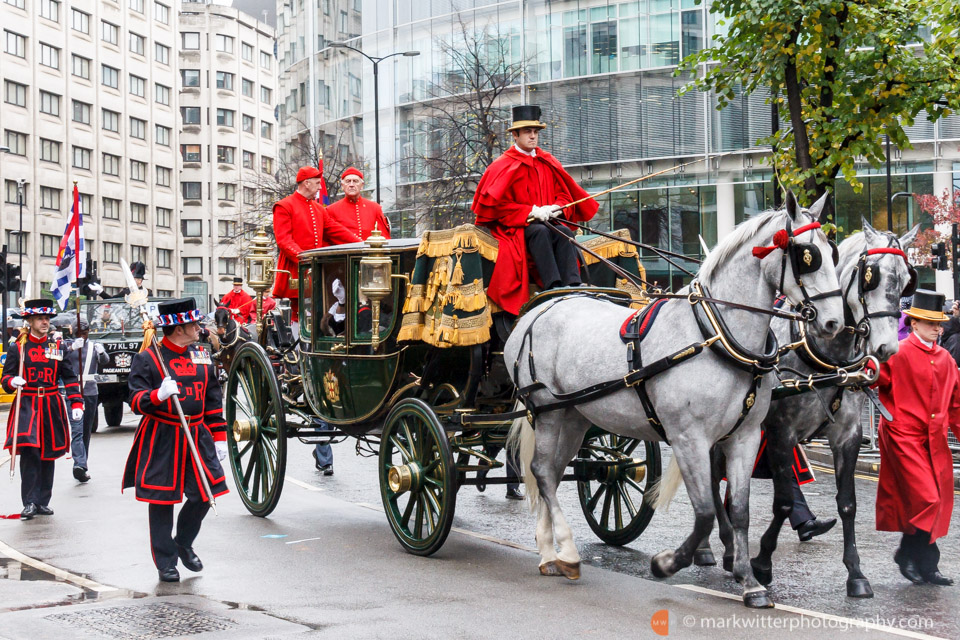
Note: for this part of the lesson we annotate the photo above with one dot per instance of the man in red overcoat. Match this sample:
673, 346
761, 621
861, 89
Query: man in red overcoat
300, 223
921, 388
240, 303
355, 212
520, 194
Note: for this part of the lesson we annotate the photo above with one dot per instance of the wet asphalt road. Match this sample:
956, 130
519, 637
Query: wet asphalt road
325, 563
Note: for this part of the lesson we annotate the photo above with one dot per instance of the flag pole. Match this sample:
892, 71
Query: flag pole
76, 259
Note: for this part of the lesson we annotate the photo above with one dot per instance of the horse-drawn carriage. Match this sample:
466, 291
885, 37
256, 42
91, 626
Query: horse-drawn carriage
414, 372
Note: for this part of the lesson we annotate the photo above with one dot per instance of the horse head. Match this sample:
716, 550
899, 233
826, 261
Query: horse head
222, 320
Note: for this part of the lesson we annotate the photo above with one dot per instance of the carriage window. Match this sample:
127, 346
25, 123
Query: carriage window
332, 300
306, 301
363, 324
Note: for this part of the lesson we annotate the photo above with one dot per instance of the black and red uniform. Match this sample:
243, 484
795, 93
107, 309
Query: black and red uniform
43, 433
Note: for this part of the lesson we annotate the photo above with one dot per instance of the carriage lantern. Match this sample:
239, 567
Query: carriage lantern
260, 266
375, 279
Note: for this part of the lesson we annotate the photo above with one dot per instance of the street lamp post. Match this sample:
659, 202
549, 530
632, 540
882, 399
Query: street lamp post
20, 185
376, 60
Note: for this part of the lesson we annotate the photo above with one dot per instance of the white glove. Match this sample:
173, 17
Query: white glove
77, 414
17, 382
95, 287
234, 311
77, 344
98, 347
221, 450
539, 213
167, 388
555, 210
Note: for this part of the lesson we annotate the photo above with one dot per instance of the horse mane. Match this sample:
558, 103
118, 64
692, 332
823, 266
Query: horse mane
740, 236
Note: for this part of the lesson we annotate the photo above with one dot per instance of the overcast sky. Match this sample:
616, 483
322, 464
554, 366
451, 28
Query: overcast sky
255, 8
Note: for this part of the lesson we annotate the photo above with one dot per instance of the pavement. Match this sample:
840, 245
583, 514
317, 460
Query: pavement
325, 565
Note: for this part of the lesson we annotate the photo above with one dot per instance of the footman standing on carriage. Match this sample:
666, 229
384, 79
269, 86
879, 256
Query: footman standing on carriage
354, 211
39, 420
240, 303
160, 465
921, 388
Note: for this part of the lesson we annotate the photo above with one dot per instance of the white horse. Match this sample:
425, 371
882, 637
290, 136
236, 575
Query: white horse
701, 402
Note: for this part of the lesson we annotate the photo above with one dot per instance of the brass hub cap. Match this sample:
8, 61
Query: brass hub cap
637, 473
244, 430
404, 477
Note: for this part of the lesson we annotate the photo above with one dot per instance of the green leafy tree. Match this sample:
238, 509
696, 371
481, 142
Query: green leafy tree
844, 73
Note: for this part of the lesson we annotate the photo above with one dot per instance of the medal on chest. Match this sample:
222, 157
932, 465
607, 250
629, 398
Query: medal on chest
53, 353
199, 355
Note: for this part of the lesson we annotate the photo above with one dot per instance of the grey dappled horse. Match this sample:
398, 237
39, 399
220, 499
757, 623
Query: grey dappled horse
799, 417
577, 343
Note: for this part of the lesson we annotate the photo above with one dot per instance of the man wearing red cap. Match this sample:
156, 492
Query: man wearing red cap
356, 212
520, 195
300, 223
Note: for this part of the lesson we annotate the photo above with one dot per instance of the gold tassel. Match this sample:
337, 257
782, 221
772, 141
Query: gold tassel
457, 277
456, 330
148, 332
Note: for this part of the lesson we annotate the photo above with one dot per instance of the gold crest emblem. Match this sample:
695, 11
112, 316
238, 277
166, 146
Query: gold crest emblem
807, 257
331, 387
868, 275
750, 400
835, 406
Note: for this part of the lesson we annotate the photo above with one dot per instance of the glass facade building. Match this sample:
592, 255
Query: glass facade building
603, 73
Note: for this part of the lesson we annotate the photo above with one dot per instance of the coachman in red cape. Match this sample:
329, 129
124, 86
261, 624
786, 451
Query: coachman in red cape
520, 194
921, 387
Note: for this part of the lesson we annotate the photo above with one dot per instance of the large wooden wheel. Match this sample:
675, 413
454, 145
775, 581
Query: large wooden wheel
417, 477
256, 425
614, 484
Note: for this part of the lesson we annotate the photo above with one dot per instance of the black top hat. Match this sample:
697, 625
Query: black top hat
37, 307
138, 269
928, 305
526, 115
180, 311
237, 280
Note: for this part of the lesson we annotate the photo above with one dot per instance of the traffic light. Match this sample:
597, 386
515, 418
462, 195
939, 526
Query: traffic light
12, 278
938, 261
3, 269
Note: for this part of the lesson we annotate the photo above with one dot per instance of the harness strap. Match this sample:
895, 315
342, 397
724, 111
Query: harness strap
748, 401
833, 407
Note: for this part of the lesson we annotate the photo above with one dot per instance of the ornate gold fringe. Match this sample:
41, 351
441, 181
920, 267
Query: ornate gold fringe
467, 237
457, 277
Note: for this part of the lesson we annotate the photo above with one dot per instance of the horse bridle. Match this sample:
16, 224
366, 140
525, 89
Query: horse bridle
867, 277
805, 258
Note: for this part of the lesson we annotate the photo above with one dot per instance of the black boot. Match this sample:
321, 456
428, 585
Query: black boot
906, 558
929, 554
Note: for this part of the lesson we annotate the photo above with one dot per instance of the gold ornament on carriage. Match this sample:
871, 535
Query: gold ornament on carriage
807, 257
331, 387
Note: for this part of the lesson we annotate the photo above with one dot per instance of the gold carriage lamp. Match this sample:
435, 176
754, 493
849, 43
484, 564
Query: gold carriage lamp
260, 266
375, 281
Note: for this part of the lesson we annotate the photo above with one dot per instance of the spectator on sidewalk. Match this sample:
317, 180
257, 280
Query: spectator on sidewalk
950, 338
87, 357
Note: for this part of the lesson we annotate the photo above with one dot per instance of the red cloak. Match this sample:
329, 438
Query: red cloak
360, 217
921, 388
243, 303
510, 186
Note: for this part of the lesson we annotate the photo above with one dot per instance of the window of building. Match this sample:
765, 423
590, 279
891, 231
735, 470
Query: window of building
265, 60
225, 154
266, 130
80, 66
49, 245
111, 252
50, 9
136, 5
138, 128
164, 176
137, 43
246, 51
164, 258
138, 213
190, 115
11, 192
249, 122
225, 117
226, 228
190, 77
223, 43
190, 152
16, 44
162, 94
191, 228
14, 93
81, 157
164, 216
80, 21
190, 40
109, 76
111, 209
227, 266
17, 142
111, 165
161, 13
16, 3
224, 80
249, 159
161, 53
192, 266
162, 135
138, 86
138, 253
17, 242
266, 164
266, 95
81, 112
247, 87
191, 191
138, 171
110, 120
49, 103
49, 150
226, 191
249, 196
49, 56
109, 32
50, 198
86, 206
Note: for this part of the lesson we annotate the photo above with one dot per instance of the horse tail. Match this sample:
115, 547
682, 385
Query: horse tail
522, 439
663, 490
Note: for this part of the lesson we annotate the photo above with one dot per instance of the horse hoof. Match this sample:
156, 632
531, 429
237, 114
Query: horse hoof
661, 565
757, 600
764, 575
569, 570
704, 558
859, 588
550, 569
728, 564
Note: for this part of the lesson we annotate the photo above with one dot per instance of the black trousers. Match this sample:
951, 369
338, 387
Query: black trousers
163, 545
553, 254
925, 553
801, 511
36, 477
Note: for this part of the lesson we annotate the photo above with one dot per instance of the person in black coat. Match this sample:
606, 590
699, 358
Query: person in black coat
86, 358
160, 465
950, 337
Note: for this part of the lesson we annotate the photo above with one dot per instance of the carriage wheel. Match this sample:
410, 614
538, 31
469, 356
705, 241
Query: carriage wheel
614, 497
417, 477
256, 422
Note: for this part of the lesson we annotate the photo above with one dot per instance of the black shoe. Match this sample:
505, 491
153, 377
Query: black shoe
935, 577
28, 512
189, 558
908, 568
514, 494
81, 474
481, 476
44, 510
327, 469
169, 575
816, 527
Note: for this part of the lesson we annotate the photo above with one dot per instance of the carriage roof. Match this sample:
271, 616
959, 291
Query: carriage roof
358, 248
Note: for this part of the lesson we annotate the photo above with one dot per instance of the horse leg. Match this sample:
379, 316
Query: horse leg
694, 465
703, 556
845, 462
779, 456
740, 453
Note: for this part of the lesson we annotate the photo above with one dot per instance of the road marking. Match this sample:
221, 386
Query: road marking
302, 484
304, 540
60, 574
832, 471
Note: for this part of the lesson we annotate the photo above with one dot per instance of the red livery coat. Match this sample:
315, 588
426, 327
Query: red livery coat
510, 186
359, 217
160, 455
243, 303
921, 388
43, 418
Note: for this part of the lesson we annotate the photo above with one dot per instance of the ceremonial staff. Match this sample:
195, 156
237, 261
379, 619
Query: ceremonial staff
21, 341
138, 300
